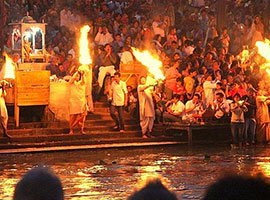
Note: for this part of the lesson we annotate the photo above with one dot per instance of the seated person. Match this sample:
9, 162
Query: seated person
108, 62
53, 66
221, 108
180, 89
175, 110
160, 100
194, 109
132, 107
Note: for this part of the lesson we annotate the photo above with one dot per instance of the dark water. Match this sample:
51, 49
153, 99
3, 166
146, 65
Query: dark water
112, 174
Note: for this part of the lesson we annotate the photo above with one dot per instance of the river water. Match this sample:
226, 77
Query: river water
113, 173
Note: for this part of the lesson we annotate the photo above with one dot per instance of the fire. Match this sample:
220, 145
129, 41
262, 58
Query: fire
153, 64
264, 51
9, 68
85, 58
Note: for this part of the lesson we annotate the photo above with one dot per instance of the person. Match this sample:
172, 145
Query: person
175, 110
262, 117
221, 108
154, 189
3, 108
108, 59
237, 120
194, 109
39, 183
146, 107
208, 87
250, 117
77, 102
238, 187
118, 94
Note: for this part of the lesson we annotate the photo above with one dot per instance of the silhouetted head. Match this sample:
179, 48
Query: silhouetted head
153, 190
39, 184
236, 187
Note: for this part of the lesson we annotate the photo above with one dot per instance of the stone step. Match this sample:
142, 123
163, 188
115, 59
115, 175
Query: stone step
65, 129
84, 141
40, 138
108, 122
101, 105
105, 116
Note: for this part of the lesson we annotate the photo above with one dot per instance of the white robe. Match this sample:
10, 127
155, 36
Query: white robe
3, 109
147, 110
77, 100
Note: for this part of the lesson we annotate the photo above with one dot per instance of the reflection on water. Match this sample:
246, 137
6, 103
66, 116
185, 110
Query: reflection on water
113, 174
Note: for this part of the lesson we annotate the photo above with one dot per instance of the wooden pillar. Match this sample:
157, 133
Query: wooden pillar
221, 15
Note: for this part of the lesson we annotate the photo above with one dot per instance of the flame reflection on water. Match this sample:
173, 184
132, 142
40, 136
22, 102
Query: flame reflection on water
187, 172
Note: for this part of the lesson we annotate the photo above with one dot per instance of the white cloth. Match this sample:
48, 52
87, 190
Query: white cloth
88, 90
224, 106
146, 108
146, 101
178, 107
102, 73
147, 124
126, 57
3, 109
103, 39
65, 17
157, 30
208, 88
77, 100
119, 92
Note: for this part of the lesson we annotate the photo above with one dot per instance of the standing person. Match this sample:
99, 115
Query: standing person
250, 117
237, 120
147, 109
77, 102
118, 93
262, 117
3, 108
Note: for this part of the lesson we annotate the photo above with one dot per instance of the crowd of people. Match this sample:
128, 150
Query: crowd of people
43, 183
205, 72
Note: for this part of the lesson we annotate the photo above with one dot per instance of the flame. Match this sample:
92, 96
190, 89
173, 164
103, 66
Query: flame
264, 51
9, 68
153, 64
85, 58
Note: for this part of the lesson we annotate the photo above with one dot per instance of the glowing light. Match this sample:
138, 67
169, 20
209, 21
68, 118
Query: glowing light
9, 68
264, 51
85, 58
153, 64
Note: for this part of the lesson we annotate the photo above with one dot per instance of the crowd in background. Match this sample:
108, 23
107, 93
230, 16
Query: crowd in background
202, 65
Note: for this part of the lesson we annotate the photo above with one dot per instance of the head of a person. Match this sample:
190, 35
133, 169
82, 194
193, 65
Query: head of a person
176, 56
238, 187
250, 92
193, 72
142, 80
174, 45
154, 189
219, 97
218, 85
237, 97
108, 48
129, 88
196, 98
39, 183
118, 37
117, 77
209, 77
105, 29
55, 60
176, 98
